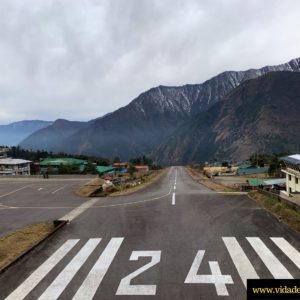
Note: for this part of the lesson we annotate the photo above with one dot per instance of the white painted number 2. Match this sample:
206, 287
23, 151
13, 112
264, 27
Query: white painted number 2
215, 278
125, 288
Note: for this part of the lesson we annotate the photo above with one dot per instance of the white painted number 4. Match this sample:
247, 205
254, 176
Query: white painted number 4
215, 278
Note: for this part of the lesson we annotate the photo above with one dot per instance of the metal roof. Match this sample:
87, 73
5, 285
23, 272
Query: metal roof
62, 161
103, 169
293, 159
275, 181
258, 182
12, 161
255, 182
142, 167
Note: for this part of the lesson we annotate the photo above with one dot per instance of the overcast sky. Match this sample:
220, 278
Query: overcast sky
81, 59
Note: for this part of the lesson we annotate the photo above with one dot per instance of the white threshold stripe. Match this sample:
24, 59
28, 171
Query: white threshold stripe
90, 285
174, 187
59, 189
12, 192
240, 259
33, 280
288, 250
269, 259
78, 210
63, 279
173, 199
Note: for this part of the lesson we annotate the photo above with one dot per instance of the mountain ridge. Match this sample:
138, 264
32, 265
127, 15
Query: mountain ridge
139, 127
259, 115
13, 133
49, 138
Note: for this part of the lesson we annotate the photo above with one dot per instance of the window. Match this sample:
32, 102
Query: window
296, 180
290, 177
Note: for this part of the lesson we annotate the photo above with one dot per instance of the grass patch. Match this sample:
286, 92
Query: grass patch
14, 244
280, 209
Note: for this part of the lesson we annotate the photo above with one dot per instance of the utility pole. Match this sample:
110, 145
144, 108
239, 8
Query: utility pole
257, 159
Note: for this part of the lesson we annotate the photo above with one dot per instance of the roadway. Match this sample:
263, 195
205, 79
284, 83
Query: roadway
173, 240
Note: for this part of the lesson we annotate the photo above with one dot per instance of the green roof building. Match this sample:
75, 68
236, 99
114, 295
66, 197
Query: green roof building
104, 169
55, 163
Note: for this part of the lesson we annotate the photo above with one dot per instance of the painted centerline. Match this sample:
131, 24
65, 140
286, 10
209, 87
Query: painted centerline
173, 199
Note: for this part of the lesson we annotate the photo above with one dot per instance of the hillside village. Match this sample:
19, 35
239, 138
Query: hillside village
114, 173
282, 179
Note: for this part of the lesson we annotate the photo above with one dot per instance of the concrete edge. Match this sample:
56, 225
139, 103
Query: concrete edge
58, 224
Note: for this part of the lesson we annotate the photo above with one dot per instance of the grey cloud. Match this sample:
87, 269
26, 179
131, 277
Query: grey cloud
81, 59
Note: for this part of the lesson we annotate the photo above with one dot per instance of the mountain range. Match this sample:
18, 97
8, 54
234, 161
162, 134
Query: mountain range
261, 114
12, 134
155, 116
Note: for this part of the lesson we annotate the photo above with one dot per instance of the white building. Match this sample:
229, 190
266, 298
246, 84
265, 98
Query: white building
3, 152
10, 166
292, 172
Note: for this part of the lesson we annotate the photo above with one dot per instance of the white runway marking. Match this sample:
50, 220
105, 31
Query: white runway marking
125, 286
87, 287
173, 199
12, 192
79, 210
90, 285
215, 278
40, 189
59, 189
174, 187
288, 250
32, 281
66, 275
271, 262
240, 260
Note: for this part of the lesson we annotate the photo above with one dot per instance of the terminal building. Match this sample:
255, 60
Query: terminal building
292, 173
10, 166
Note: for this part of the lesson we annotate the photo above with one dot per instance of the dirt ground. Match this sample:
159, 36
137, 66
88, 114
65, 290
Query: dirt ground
14, 244
148, 180
199, 177
90, 187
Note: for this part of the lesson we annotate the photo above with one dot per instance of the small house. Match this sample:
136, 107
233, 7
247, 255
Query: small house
105, 170
121, 167
142, 169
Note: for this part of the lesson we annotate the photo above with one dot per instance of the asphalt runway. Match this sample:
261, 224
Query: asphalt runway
173, 240
28, 200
